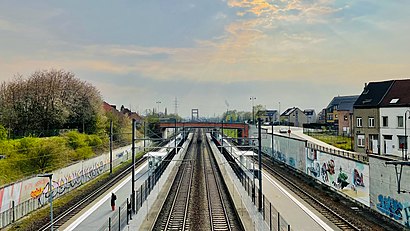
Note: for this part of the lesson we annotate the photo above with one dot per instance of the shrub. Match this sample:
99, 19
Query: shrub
3, 133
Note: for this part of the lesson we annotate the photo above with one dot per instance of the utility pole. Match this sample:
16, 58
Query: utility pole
260, 164
145, 130
111, 125
175, 139
222, 136
133, 166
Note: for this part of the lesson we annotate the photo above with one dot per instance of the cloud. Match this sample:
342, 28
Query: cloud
286, 10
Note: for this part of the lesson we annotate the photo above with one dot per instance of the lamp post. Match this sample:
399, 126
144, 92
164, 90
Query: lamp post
405, 131
253, 109
133, 168
260, 164
50, 198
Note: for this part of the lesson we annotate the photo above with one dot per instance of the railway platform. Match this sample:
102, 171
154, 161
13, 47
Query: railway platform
298, 214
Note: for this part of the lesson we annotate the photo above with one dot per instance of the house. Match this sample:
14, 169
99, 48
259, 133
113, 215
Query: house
345, 118
367, 119
294, 116
332, 117
268, 115
321, 117
130, 114
394, 119
109, 107
310, 116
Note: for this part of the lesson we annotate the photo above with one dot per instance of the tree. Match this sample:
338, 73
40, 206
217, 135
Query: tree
50, 100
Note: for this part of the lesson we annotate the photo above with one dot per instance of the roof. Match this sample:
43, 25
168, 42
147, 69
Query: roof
309, 111
373, 94
398, 95
289, 111
336, 101
109, 108
267, 112
346, 105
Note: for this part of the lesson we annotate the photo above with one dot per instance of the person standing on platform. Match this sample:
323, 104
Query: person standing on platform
113, 198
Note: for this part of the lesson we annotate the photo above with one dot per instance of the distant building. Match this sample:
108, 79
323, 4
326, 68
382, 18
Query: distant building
332, 115
130, 114
294, 116
310, 115
268, 115
321, 117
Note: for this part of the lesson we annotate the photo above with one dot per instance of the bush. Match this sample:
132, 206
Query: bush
3, 133
75, 139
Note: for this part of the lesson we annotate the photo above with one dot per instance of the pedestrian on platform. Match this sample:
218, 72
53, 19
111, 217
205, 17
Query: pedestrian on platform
113, 198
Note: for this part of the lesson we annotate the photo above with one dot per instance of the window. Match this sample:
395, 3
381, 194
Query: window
385, 121
399, 121
360, 140
371, 122
402, 142
359, 122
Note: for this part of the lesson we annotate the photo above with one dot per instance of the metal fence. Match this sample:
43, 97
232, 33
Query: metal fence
270, 215
121, 219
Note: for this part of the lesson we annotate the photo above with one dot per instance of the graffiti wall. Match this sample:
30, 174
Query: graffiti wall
63, 180
288, 150
347, 176
384, 196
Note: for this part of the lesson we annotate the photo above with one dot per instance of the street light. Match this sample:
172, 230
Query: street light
405, 131
50, 198
253, 109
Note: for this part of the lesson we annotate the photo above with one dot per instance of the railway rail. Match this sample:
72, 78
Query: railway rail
85, 200
343, 212
216, 204
198, 194
63, 217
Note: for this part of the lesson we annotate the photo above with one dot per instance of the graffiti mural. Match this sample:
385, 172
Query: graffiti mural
390, 207
348, 176
66, 183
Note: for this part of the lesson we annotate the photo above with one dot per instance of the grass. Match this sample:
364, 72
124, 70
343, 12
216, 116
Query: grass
341, 142
233, 133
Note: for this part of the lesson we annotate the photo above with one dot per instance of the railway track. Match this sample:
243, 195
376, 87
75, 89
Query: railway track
198, 194
344, 213
216, 205
71, 211
179, 209
67, 214
330, 214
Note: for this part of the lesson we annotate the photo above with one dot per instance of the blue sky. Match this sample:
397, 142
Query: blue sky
296, 52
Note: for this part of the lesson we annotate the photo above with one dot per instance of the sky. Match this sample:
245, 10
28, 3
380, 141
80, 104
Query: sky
212, 55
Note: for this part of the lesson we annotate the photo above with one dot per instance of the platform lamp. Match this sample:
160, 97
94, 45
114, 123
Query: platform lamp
405, 132
50, 198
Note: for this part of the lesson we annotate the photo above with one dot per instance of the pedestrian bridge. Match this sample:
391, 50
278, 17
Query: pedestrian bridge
243, 128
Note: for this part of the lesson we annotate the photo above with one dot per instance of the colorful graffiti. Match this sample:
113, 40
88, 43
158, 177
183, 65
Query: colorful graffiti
390, 207
342, 174
399, 211
66, 183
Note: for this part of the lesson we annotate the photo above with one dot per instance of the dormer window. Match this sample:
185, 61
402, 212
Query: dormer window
367, 101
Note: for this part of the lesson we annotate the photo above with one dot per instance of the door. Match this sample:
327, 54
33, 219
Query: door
388, 144
374, 143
